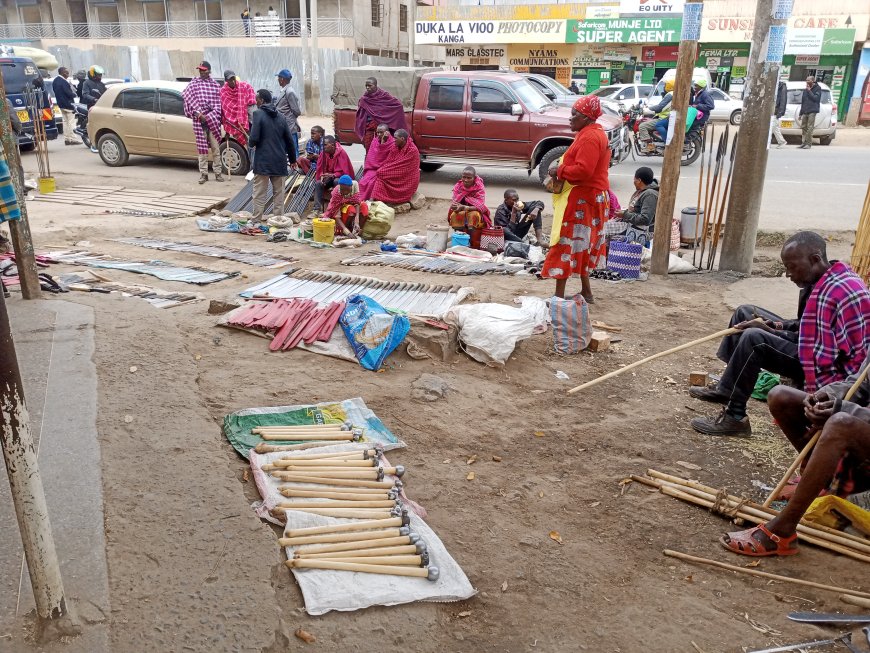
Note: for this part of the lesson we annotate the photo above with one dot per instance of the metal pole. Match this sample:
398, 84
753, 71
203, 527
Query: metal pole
315, 59
25, 259
674, 152
750, 162
412, 33
54, 616
307, 90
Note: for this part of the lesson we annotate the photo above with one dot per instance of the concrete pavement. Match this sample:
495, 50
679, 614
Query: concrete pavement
55, 346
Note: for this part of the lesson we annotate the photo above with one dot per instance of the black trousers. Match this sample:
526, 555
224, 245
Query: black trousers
751, 351
516, 232
321, 189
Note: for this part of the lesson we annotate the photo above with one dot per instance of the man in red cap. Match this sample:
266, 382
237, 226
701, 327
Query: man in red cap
202, 104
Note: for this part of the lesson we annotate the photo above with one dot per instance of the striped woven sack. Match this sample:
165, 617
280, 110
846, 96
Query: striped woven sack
572, 329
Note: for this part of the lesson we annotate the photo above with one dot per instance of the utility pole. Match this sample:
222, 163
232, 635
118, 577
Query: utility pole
55, 617
315, 59
22, 243
691, 33
412, 32
307, 90
750, 162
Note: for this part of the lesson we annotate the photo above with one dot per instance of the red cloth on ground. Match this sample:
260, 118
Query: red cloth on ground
398, 178
381, 108
234, 105
474, 197
377, 155
336, 164
581, 237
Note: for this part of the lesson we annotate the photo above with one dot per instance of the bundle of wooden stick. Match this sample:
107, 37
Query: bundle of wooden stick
721, 502
350, 485
319, 434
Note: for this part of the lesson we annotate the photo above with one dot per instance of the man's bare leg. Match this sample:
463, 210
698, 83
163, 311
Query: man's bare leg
786, 406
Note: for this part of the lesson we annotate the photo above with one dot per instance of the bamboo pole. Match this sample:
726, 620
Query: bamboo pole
676, 480
673, 350
763, 574
812, 443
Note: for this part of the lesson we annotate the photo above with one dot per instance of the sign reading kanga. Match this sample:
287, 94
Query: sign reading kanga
624, 30
489, 31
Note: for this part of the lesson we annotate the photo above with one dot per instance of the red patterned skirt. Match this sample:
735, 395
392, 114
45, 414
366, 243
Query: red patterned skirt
581, 238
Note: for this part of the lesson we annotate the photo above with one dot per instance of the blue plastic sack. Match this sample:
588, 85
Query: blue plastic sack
371, 330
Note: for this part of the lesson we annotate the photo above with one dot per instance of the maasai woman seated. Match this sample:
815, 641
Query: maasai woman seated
347, 208
469, 212
375, 157
396, 180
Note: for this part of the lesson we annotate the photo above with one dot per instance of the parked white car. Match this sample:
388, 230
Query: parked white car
826, 119
727, 108
624, 95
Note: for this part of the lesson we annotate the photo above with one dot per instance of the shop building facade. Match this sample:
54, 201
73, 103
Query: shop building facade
597, 45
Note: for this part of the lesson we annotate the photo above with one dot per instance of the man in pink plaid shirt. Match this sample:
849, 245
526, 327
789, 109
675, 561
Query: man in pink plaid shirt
827, 342
202, 104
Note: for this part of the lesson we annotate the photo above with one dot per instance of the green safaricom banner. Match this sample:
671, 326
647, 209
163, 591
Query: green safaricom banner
624, 30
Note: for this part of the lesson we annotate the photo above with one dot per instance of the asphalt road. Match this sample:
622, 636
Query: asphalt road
822, 188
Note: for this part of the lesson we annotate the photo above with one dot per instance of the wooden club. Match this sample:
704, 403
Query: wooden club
346, 496
347, 513
338, 482
347, 536
262, 447
340, 455
407, 549
299, 427
349, 526
401, 540
370, 493
323, 462
323, 437
404, 560
430, 573
295, 505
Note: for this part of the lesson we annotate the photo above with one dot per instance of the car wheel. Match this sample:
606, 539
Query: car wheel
548, 159
826, 140
430, 167
737, 117
234, 158
112, 150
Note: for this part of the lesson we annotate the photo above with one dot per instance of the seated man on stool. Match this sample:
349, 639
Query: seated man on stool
824, 345
839, 463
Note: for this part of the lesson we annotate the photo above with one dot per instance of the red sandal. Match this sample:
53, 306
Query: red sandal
745, 543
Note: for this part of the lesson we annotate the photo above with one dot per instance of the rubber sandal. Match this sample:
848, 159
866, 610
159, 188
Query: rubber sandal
743, 543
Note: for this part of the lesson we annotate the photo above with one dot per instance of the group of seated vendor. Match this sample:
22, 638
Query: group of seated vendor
822, 352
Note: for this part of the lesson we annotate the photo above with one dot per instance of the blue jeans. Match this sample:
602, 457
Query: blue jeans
295, 137
662, 128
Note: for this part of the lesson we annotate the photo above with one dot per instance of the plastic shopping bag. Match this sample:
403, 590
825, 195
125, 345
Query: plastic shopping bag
372, 331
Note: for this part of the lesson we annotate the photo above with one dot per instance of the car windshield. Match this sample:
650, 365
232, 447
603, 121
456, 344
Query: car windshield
17, 75
605, 91
530, 96
795, 95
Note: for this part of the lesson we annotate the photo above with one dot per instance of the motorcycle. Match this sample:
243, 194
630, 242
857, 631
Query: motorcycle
81, 114
692, 145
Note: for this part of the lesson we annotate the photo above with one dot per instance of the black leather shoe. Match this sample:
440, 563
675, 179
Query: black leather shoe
723, 424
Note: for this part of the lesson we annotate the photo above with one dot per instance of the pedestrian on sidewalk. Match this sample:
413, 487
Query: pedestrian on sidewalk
202, 104
779, 107
273, 148
811, 101
246, 21
287, 103
66, 96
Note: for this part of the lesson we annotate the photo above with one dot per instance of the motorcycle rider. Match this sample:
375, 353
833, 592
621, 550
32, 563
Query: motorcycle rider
660, 111
92, 89
702, 101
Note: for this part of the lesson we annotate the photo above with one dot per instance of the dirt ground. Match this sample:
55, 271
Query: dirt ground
191, 567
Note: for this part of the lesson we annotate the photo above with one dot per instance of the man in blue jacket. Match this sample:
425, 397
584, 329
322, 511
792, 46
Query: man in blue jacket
702, 101
811, 102
65, 96
273, 147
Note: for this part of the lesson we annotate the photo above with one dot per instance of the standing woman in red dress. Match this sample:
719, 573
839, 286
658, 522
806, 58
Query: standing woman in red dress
584, 168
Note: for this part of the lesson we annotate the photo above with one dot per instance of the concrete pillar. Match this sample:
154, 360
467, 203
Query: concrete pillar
60, 11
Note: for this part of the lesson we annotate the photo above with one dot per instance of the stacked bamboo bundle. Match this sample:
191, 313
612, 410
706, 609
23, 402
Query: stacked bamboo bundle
861, 249
741, 508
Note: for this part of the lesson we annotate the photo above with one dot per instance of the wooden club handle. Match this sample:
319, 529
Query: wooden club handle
388, 570
399, 540
295, 505
403, 560
349, 526
346, 496
346, 513
347, 536
338, 482
407, 549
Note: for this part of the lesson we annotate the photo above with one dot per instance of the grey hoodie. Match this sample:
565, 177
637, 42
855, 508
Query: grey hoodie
641, 211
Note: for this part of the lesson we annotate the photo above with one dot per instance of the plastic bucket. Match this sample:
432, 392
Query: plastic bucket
460, 239
436, 237
324, 231
47, 185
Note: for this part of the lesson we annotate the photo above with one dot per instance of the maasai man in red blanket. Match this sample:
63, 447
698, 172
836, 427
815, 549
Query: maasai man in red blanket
332, 163
376, 106
469, 212
347, 208
202, 104
238, 101
375, 158
397, 179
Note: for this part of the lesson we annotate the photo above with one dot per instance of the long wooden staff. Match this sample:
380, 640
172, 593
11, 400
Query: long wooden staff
700, 188
722, 206
673, 350
809, 446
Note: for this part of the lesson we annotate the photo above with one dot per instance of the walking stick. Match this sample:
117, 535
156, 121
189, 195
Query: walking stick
812, 443
673, 350
700, 188
720, 213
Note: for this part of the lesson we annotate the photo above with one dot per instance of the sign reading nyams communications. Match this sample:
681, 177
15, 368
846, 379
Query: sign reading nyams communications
429, 32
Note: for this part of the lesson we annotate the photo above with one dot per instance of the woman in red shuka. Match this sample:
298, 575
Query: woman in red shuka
584, 168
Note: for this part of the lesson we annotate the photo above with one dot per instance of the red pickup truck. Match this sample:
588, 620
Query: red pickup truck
487, 118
